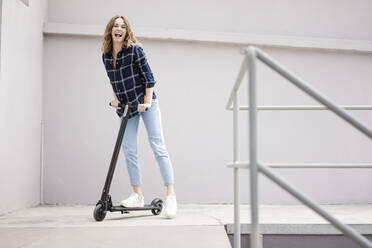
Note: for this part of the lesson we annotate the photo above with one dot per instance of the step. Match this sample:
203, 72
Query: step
300, 235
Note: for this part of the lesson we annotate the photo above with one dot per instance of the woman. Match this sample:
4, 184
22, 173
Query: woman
132, 82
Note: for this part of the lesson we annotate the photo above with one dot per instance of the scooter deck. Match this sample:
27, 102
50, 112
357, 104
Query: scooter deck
121, 208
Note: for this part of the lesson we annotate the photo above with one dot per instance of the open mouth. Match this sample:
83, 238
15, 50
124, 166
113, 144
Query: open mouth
118, 35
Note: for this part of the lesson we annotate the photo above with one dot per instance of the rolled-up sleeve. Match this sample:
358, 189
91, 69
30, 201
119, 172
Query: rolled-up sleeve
144, 67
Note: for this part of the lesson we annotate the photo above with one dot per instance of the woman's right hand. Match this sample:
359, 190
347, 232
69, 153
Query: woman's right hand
115, 104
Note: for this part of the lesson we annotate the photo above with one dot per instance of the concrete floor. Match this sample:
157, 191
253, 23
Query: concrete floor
194, 226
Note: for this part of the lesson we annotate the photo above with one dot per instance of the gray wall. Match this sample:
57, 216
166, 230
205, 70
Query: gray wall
325, 19
194, 82
20, 103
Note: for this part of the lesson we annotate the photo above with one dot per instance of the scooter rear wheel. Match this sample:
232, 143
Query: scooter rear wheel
158, 203
99, 213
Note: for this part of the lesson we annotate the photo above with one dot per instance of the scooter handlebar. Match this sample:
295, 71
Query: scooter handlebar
122, 105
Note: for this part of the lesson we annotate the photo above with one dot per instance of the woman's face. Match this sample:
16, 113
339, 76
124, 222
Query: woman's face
119, 30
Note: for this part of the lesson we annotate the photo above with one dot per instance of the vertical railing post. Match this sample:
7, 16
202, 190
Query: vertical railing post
236, 173
255, 235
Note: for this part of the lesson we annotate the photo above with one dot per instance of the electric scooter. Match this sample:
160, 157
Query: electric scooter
105, 204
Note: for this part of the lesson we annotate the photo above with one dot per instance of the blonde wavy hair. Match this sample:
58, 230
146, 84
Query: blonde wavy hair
129, 38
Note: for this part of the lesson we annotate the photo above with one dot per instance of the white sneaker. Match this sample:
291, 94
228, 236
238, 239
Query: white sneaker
170, 207
133, 201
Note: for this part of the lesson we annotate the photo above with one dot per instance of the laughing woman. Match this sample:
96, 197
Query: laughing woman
132, 82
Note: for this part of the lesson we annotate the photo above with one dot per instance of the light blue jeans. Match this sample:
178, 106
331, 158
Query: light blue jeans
152, 121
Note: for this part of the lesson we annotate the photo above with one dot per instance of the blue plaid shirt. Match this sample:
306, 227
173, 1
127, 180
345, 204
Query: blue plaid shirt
130, 77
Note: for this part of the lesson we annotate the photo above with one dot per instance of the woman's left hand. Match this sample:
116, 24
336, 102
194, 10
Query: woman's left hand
143, 107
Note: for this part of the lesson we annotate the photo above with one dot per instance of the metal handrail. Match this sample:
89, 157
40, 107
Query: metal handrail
312, 92
346, 229
249, 62
245, 164
305, 107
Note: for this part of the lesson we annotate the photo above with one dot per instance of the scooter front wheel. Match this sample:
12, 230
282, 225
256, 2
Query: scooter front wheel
158, 203
99, 213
